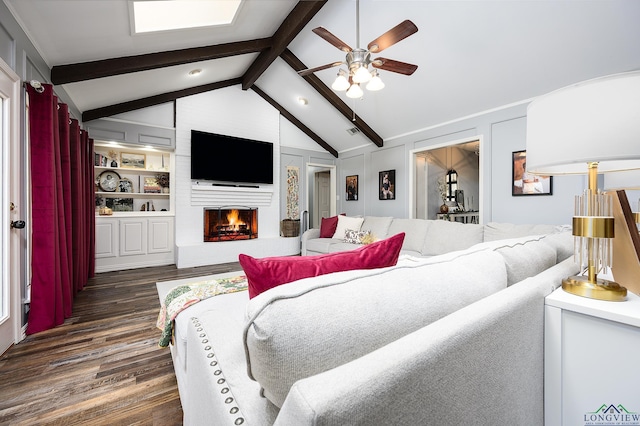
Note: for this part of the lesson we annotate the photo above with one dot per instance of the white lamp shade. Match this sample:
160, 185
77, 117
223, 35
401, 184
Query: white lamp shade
593, 121
355, 91
375, 84
341, 83
361, 75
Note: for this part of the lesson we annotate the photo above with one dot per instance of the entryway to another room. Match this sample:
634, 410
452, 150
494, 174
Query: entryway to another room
446, 182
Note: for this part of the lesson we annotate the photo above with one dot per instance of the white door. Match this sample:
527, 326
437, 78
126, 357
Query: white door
323, 194
9, 189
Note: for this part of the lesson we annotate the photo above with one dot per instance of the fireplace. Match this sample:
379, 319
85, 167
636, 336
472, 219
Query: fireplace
230, 224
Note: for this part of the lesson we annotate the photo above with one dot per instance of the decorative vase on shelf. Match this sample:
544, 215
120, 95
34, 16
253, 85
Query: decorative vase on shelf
444, 208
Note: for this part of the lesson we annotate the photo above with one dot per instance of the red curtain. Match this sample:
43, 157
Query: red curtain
62, 212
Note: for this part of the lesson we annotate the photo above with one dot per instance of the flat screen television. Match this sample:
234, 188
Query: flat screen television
229, 159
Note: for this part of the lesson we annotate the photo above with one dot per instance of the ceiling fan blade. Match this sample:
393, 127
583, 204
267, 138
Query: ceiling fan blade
394, 66
320, 68
328, 36
401, 31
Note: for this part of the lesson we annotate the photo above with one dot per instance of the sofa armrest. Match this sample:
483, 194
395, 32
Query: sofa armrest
482, 364
308, 235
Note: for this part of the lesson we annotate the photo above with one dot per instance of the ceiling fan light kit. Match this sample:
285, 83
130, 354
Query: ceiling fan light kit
358, 60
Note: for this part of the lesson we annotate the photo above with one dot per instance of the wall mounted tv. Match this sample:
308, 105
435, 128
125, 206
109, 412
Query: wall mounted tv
229, 159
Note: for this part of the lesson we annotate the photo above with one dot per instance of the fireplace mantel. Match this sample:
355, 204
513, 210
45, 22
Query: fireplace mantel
215, 196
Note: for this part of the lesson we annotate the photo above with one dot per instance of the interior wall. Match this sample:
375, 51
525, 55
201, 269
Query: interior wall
556, 209
502, 131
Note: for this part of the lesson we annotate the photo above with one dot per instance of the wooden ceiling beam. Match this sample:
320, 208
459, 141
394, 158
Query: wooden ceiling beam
70, 73
286, 114
288, 30
123, 107
331, 97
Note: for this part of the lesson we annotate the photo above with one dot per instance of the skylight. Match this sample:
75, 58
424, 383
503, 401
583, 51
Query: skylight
163, 15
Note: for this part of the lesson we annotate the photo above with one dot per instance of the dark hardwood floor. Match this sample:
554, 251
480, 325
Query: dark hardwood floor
103, 366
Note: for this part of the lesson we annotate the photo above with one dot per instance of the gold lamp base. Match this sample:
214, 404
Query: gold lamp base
601, 290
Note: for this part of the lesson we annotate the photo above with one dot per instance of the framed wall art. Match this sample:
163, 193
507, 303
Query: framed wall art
133, 161
352, 188
524, 183
387, 185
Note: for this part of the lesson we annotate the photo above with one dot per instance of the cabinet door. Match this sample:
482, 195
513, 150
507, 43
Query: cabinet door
133, 236
160, 235
106, 238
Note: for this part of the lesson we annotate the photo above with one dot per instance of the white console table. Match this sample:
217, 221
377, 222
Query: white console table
465, 217
592, 368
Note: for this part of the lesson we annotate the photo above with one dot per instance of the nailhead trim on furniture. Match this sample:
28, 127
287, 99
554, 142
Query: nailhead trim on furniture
224, 390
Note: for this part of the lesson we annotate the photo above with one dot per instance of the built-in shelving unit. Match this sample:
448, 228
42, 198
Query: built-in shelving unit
130, 180
136, 184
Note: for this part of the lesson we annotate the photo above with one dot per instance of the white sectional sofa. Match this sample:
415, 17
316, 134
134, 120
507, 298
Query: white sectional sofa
456, 338
423, 237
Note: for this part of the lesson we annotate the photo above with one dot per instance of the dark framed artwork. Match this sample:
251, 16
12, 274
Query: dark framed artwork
524, 183
352, 188
387, 185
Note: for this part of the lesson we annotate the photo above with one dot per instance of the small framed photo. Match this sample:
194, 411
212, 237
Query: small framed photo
387, 185
524, 183
125, 185
352, 188
132, 160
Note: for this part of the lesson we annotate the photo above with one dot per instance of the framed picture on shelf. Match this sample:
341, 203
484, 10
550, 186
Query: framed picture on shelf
151, 185
352, 188
120, 204
524, 183
387, 185
125, 185
133, 161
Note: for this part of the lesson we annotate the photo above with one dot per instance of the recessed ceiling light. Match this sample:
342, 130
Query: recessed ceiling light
195, 72
302, 101
163, 15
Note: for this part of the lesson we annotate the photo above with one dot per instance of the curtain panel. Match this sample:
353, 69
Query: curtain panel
62, 211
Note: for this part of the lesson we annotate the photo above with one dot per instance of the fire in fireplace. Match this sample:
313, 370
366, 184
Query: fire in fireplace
230, 224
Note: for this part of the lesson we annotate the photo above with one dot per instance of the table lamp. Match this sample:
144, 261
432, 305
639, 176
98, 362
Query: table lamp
589, 128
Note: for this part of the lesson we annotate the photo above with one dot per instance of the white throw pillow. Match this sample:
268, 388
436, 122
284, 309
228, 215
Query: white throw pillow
347, 222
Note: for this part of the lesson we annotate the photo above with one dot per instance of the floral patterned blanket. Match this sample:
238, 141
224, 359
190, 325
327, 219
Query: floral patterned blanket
183, 296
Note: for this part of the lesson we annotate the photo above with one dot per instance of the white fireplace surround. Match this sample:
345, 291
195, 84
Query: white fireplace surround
208, 195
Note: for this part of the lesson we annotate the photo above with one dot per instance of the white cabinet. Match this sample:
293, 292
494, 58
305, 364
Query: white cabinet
134, 242
591, 361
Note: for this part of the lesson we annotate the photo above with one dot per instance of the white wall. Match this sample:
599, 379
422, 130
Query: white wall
230, 111
502, 131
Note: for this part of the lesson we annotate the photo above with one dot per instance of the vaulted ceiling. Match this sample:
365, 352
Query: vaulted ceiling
472, 56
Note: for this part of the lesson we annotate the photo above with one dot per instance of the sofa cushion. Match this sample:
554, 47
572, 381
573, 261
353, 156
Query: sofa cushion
321, 245
360, 311
328, 226
266, 273
500, 231
354, 237
347, 222
444, 236
378, 226
416, 230
527, 259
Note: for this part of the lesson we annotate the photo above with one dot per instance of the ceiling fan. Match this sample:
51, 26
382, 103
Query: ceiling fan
358, 59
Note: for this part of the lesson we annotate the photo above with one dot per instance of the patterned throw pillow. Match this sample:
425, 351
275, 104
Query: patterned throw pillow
355, 237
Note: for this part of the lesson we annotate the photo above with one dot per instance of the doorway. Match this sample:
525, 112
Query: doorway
10, 294
321, 193
431, 165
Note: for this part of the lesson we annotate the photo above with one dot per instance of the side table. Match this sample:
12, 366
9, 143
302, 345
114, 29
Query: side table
592, 361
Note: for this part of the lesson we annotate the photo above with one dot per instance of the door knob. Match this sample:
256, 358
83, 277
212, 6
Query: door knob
18, 224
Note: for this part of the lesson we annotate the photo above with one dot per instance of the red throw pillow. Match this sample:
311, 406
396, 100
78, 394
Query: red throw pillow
328, 226
269, 272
